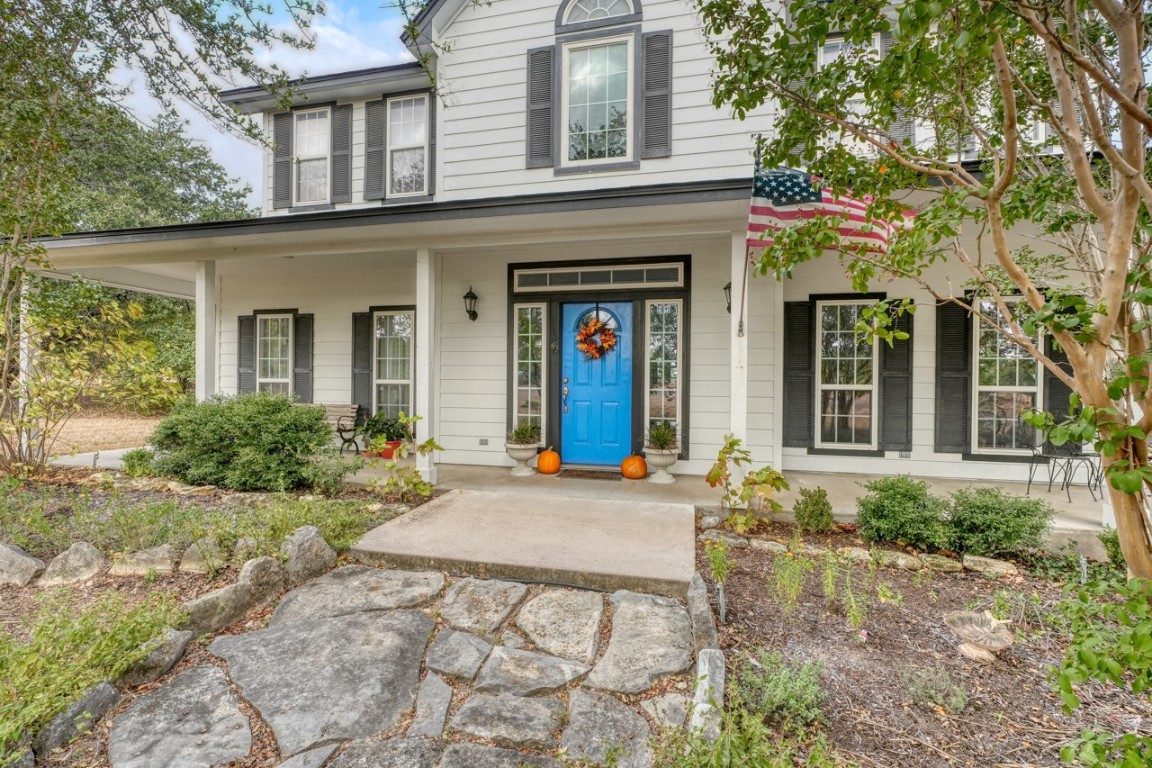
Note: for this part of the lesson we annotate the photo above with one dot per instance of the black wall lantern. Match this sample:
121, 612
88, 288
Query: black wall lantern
470, 304
728, 297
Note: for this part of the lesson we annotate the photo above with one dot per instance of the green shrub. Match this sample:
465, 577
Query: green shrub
936, 687
1110, 538
245, 443
744, 741
781, 692
900, 509
138, 462
987, 521
813, 511
70, 649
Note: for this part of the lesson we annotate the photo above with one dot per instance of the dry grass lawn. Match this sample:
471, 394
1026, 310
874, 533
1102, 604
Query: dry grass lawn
87, 432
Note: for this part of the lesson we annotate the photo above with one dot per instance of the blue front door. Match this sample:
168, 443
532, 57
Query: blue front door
596, 384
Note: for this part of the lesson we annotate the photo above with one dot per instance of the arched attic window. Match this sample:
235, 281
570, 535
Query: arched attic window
587, 14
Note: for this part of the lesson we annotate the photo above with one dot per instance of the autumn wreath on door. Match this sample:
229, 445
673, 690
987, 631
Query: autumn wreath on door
595, 337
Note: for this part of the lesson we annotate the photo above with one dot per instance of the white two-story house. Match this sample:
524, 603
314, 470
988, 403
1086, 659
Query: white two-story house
565, 164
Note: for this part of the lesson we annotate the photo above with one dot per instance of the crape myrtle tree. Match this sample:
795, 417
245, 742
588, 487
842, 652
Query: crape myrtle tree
58, 65
1047, 102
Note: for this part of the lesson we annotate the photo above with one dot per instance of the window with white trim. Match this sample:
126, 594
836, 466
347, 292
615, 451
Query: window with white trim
846, 397
663, 369
312, 142
596, 10
530, 365
597, 101
274, 354
835, 48
393, 366
407, 154
1007, 385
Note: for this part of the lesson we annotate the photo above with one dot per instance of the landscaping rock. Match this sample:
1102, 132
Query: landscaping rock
986, 566
481, 605
244, 549
155, 560
260, 580
336, 678
524, 673
512, 640
710, 521
76, 719
942, 563
669, 710
564, 622
388, 753
22, 757
181, 489
479, 756
160, 661
313, 758
17, 566
193, 722
904, 562
510, 720
700, 611
708, 701
204, 556
764, 545
599, 725
79, 562
306, 555
651, 637
857, 555
457, 654
264, 575
356, 588
729, 538
431, 707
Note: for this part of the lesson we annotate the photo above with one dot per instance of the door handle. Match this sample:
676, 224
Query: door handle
564, 400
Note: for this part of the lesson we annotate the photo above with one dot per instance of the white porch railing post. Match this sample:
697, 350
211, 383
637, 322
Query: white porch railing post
426, 289
205, 330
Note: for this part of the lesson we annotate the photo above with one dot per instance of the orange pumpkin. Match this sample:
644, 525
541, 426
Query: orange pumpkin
548, 462
634, 468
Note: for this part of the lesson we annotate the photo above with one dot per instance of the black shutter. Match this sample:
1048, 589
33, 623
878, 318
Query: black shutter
246, 354
540, 89
282, 160
302, 357
374, 148
903, 128
362, 362
656, 136
953, 379
1056, 392
896, 389
342, 153
430, 168
799, 374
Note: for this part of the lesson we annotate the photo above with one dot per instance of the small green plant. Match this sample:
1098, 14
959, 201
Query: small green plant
813, 511
1110, 538
756, 493
744, 740
662, 436
830, 575
403, 480
855, 605
381, 425
900, 509
886, 593
526, 432
934, 686
987, 521
785, 693
719, 560
138, 463
789, 573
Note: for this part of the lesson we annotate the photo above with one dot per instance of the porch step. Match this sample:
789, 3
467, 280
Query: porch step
582, 542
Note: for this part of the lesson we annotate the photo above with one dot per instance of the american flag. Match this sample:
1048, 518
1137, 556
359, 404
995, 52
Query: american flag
783, 198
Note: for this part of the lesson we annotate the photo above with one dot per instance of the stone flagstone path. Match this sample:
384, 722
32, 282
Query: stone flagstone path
371, 668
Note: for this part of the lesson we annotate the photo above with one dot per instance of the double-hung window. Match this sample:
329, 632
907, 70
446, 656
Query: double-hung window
597, 99
664, 342
393, 362
1007, 385
836, 48
846, 396
274, 354
312, 142
407, 154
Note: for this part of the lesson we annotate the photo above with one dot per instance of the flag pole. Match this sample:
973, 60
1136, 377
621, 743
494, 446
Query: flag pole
747, 251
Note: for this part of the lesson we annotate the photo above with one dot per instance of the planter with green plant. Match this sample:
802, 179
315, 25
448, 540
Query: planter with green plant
661, 450
383, 434
522, 446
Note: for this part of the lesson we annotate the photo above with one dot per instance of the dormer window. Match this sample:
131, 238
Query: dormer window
312, 140
596, 10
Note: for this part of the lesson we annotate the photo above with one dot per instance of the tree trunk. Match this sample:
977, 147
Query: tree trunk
1132, 526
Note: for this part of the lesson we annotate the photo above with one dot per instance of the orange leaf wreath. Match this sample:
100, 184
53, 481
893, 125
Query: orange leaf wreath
595, 339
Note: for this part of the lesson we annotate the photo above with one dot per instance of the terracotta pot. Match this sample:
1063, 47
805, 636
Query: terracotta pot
384, 453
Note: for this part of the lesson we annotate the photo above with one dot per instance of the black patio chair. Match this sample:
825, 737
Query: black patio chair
1063, 461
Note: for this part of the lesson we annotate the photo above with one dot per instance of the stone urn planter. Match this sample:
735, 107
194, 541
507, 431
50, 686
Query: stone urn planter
522, 453
660, 459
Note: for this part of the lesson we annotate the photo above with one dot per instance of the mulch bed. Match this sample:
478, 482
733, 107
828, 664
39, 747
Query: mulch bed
1012, 719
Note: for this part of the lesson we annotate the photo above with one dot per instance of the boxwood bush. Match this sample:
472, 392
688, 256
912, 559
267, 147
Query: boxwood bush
987, 521
245, 443
813, 511
900, 509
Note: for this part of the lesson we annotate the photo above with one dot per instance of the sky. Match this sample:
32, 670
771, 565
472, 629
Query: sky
353, 34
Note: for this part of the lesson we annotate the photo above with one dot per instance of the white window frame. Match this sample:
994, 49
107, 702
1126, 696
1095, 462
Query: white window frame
604, 20
1037, 391
822, 61
648, 418
821, 387
297, 158
629, 132
543, 307
291, 349
411, 380
611, 268
389, 133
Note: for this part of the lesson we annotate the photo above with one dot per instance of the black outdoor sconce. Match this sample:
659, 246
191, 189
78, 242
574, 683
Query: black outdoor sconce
470, 304
728, 297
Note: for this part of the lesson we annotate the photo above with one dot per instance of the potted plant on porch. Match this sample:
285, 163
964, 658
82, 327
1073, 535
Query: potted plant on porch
661, 449
522, 444
383, 434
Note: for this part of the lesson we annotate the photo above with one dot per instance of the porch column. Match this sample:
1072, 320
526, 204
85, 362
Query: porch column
205, 330
738, 322
425, 357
